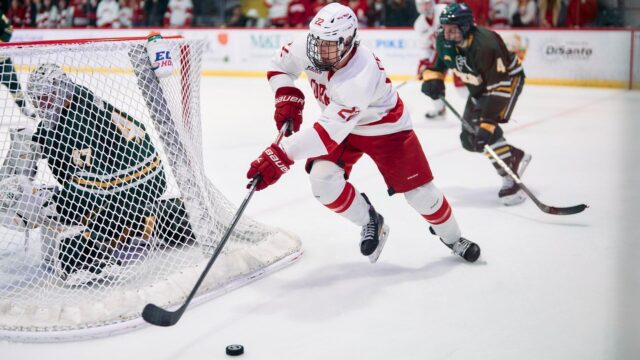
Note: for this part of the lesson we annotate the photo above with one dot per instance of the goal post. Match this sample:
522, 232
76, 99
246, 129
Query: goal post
104, 202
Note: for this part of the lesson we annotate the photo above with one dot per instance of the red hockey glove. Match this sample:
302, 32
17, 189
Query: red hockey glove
289, 105
270, 165
483, 135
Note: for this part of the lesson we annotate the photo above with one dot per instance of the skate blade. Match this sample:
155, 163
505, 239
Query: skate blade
514, 199
382, 239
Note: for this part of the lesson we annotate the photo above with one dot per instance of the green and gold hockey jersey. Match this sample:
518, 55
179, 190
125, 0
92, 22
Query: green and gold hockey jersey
484, 65
99, 153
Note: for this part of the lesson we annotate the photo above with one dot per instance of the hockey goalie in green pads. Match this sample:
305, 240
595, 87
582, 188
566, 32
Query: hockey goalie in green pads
111, 179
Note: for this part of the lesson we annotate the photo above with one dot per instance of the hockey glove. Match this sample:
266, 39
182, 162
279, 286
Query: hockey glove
483, 135
289, 105
423, 65
433, 88
270, 165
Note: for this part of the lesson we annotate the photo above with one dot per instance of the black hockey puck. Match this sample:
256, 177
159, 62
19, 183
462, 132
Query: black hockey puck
235, 350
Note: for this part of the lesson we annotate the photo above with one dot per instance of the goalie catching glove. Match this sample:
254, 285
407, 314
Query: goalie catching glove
270, 165
289, 106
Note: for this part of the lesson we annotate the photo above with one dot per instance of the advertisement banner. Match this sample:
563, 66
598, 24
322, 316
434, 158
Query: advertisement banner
556, 57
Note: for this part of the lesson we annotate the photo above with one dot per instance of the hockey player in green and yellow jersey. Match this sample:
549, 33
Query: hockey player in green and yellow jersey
111, 178
494, 77
8, 75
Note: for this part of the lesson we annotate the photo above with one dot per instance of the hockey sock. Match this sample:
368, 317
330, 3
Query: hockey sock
334, 192
429, 201
504, 152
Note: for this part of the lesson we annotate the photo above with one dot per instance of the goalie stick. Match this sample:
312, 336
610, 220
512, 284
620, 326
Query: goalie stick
553, 210
156, 315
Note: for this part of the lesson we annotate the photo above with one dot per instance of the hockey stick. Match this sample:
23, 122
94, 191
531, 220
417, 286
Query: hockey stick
156, 315
570, 210
401, 85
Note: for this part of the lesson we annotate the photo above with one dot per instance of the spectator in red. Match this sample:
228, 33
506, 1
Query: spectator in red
179, 13
277, 12
360, 9
299, 13
80, 17
17, 14
48, 16
125, 14
316, 5
480, 11
581, 12
107, 14
66, 14
549, 13
525, 14
138, 13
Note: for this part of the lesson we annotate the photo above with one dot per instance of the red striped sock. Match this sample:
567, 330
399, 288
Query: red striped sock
344, 200
441, 215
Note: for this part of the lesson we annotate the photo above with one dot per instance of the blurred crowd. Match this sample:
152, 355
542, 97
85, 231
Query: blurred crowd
292, 13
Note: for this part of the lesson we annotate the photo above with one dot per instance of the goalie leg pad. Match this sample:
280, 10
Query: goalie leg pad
333, 191
172, 226
429, 201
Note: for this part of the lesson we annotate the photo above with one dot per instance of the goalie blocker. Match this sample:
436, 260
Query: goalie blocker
111, 180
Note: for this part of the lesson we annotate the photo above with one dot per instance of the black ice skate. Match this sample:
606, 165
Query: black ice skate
510, 192
464, 248
435, 114
373, 235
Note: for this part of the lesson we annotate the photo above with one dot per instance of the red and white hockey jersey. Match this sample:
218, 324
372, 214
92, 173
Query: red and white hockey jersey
427, 31
357, 99
179, 13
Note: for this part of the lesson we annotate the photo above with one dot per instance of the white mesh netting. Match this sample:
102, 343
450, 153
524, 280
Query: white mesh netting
104, 203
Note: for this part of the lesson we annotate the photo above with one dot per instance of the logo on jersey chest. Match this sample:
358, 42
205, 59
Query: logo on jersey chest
461, 63
313, 69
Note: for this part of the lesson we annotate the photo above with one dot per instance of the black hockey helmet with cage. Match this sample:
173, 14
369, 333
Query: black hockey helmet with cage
458, 14
332, 34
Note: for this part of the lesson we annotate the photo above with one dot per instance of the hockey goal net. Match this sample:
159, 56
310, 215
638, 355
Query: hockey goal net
104, 201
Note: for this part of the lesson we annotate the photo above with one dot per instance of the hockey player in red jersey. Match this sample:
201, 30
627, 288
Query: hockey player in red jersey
494, 77
426, 27
361, 114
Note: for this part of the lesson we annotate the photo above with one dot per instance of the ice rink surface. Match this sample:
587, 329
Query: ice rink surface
546, 287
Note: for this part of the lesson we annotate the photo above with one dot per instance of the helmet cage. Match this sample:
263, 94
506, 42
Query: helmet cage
47, 88
326, 54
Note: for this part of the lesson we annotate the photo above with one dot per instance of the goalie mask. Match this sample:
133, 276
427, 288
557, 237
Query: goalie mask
332, 35
49, 87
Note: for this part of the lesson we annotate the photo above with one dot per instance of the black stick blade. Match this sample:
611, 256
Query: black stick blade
158, 316
565, 210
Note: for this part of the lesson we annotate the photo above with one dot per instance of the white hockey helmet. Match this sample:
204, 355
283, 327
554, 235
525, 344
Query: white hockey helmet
332, 34
425, 7
48, 87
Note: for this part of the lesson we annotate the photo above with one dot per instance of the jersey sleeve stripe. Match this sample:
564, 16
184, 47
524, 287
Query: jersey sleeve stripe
271, 74
392, 116
325, 138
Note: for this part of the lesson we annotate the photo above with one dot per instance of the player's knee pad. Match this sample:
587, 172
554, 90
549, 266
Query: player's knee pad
327, 181
426, 199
